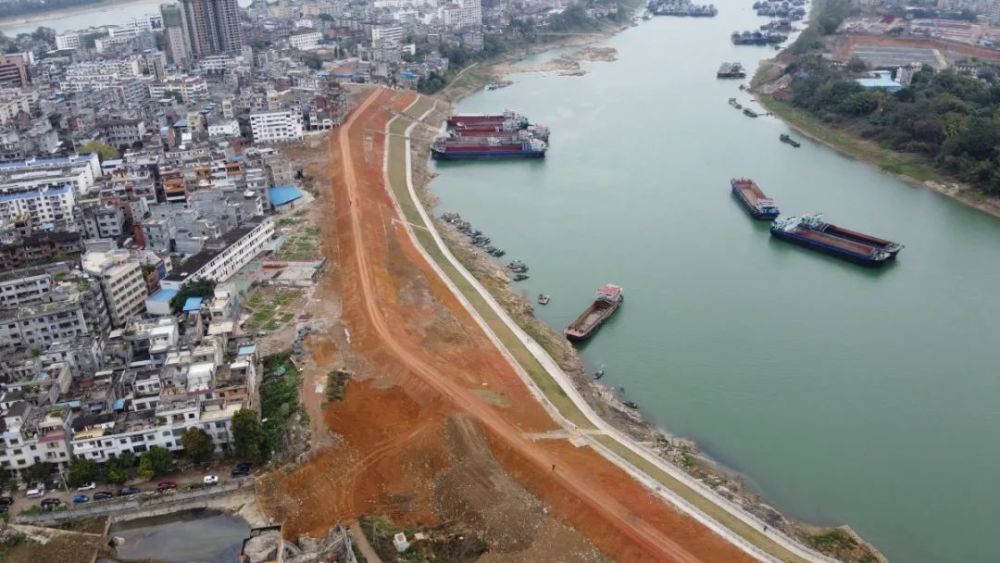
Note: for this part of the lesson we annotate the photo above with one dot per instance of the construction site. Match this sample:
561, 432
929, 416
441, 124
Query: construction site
437, 431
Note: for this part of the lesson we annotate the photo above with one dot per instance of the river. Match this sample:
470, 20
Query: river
844, 395
194, 535
82, 17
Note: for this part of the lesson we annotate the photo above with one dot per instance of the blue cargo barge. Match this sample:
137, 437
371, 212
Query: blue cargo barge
812, 232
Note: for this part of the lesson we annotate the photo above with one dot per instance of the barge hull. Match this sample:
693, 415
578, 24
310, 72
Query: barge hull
832, 246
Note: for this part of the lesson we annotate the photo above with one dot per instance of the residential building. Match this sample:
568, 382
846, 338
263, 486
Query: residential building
276, 126
122, 283
213, 26
13, 70
101, 220
225, 255
305, 41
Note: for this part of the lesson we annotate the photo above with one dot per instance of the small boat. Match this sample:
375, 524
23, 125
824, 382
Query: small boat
631, 405
517, 266
521, 277
749, 112
606, 302
599, 373
543, 299
789, 141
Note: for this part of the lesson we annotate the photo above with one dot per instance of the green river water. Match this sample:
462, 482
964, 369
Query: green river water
844, 395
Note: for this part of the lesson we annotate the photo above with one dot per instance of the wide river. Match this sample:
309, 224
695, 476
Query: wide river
845, 395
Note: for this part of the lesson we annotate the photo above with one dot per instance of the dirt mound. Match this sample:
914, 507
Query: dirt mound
476, 490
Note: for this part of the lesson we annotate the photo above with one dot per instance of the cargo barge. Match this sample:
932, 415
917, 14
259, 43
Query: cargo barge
731, 70
681, 8
752, 197
606, 302
501, 130
488, 148
811, 231
469, 120
757, 38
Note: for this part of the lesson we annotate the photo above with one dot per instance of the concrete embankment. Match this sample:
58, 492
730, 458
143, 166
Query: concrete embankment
227, 496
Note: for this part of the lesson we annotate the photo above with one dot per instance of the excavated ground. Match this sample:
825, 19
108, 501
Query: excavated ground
436, 426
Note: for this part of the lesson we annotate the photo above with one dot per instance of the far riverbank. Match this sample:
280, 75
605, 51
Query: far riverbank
42, 16
910, 168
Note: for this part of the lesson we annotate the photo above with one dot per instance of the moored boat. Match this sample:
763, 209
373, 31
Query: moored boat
749, 112
609, 297
752, 197
811, 231
788, 140
488, 148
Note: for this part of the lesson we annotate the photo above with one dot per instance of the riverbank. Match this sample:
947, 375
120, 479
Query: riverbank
32, 17
841, 542
910, 168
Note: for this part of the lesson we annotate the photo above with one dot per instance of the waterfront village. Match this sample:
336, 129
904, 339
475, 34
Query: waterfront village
156, 243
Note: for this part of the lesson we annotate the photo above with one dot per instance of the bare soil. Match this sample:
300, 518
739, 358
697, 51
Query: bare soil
416, 438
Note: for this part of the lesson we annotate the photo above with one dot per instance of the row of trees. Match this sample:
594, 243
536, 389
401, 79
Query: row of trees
250, 444
951, 118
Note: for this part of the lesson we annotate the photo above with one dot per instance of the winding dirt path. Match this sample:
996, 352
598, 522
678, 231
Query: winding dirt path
575, 480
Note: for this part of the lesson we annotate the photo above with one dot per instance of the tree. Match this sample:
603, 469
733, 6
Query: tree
156, 461
198, 445
81, 472
119, 469
6, 479
104, 152
312, 61
248, 437
197, 288
37, 472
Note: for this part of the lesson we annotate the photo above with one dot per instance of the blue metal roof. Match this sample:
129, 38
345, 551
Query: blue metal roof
192, 304
281, 195
882, 80
119, 405
163, 295
245, 350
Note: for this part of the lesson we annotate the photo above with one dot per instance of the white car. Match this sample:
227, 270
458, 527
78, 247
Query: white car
88, 487
211, 480
38, 491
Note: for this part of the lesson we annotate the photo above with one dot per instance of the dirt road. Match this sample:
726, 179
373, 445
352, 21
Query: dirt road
431, 363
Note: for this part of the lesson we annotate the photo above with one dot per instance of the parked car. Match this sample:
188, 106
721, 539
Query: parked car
166, 486
103, 495
129, 491
36, 491
211, 480
242, 470
88, 487
6, 501
50, 503
80, 499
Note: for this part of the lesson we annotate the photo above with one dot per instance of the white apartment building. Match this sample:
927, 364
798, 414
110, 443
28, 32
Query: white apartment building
224, 256
382, 33
68, 40
122, 283
463, 14
24, 286
228, 128
30, 436
276, 126
70, 313
43, 204
14, 101
305, 41
188, 87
